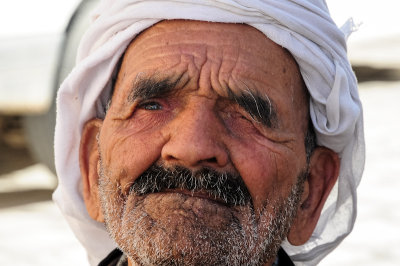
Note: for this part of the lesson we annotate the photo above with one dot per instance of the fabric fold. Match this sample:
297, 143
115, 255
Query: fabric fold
304, 28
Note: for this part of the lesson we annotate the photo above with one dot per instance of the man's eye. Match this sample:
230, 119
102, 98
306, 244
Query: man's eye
151, 106
249, 117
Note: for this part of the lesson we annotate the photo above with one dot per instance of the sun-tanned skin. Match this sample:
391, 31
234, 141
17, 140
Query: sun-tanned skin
201, 76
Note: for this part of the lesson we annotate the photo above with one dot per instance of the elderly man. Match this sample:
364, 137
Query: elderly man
210, 133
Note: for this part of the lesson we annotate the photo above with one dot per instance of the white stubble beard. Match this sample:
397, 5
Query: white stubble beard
249, 239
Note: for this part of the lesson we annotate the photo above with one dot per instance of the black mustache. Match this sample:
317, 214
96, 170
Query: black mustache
224, 186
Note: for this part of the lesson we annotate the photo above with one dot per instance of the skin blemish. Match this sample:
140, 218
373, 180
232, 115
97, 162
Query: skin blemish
183, 113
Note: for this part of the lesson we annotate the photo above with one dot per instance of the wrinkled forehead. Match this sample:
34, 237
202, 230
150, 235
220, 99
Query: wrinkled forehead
229, 56
225, 43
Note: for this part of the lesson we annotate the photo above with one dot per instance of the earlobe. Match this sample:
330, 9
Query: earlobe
88, 161
323, 173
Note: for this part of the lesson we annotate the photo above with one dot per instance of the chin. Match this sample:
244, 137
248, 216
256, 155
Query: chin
175, 228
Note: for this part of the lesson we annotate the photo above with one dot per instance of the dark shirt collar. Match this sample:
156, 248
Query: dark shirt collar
117, 258
282, 259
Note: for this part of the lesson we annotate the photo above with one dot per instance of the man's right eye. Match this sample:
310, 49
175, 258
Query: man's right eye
150, 106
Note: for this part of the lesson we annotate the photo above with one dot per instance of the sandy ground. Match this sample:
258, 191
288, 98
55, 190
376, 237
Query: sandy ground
33, 232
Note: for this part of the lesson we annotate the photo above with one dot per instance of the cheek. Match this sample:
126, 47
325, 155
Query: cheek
269, 170
127, 151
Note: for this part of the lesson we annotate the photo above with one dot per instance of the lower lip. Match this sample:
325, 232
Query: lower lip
202, 195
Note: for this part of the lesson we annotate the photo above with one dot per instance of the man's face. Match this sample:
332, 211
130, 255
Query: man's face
197, 104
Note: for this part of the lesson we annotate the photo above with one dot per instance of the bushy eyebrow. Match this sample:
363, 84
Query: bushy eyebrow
147, 88
260, 108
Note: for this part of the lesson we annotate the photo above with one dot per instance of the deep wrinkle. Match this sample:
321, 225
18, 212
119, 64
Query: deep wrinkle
260, 109
193, 136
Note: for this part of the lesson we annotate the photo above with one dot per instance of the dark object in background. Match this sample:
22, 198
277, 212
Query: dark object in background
39, 129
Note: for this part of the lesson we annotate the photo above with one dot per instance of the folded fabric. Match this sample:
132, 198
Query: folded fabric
305, 28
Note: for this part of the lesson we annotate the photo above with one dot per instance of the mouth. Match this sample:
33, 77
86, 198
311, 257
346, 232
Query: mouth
197, 194
225, 188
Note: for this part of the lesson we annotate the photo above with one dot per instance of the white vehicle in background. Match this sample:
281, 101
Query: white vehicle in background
38, 42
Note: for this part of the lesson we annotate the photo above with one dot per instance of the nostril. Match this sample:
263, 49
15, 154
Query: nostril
169, 157
211, 160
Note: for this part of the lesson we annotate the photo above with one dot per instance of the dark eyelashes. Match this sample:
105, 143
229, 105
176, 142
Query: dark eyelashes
150, 105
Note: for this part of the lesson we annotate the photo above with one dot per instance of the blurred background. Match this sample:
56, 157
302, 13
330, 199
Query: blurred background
38, 41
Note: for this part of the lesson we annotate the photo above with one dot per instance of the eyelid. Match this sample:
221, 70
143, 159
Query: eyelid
142, 104
250, 116
246, 115
270, 133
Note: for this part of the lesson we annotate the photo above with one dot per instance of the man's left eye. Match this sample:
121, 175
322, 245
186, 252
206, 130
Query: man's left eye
151, 106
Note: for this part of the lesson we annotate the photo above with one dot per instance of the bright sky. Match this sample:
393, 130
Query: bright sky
378, 18
27, 17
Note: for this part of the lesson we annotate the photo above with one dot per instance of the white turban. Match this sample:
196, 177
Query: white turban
305, 28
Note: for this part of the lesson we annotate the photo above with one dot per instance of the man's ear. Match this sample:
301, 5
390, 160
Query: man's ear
323, 173
88, 161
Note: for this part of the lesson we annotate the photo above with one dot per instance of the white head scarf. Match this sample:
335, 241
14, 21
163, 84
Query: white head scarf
304, 27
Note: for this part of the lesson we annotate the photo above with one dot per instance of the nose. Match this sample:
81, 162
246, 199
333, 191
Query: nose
195, 139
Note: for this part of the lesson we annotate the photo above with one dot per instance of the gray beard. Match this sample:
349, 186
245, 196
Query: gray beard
193, 235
